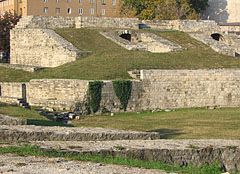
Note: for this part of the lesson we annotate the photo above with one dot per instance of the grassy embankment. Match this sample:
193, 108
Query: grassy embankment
110, 61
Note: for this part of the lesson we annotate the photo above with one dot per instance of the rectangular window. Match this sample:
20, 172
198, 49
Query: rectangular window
57, 10
45, 1
80, 1
103, 2
45, 10
80, 11
69, 10
113, 2
92, 11
57, 1
103, 11
91, 1
68, 1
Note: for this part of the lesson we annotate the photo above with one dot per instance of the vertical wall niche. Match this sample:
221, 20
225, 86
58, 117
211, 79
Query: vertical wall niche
217, 36
126, 36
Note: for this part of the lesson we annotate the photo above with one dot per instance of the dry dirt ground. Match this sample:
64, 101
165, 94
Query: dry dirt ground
10, 164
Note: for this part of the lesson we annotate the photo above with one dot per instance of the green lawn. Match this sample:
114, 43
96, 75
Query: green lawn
110, 61
33, 117
195, 123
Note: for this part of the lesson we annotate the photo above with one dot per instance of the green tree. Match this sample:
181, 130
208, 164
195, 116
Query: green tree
165, 9
7, 22
199, 5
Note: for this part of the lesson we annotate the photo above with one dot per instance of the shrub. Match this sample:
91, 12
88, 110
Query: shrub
123, 91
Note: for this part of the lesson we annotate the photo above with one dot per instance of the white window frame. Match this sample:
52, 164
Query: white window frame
69, 10
45, 10
92, 11
80, 11
103, 12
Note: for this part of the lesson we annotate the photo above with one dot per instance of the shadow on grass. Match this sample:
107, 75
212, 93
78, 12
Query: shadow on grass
167, 133
46, 123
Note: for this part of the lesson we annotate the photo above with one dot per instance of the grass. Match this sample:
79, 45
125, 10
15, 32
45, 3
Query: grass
27, 150
197, 123
33, 117
110, 61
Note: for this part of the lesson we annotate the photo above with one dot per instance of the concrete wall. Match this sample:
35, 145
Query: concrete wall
190, 88
223, 11
41, 48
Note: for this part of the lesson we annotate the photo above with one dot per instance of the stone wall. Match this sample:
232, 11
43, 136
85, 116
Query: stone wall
181, 25
45, 22
41, 48
57, 93
11, 89
106, 22
190, 88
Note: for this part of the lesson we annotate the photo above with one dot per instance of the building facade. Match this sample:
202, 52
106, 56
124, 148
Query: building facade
223, 11
73, 8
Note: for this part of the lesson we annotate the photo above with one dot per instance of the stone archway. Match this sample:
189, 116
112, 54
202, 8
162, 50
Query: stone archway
217, 37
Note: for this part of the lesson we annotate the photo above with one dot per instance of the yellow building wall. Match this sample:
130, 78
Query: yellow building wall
72, 7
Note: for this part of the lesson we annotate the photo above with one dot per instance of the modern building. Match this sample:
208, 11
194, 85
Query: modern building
107, 8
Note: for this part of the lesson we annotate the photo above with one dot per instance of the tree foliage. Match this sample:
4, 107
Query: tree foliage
7, 22
163, 9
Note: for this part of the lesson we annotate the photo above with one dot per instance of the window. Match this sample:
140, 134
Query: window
45, 1
113, 2
68, 1
80, 11
24, 10
69, 10
91, 1
91, 11
103, 2
57, 10
80, 1
103, 11
45, 10
57, 1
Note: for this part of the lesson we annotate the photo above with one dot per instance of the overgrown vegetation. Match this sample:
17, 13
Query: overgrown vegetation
26, 150
163, 9
95, 90
122, 89
7, 22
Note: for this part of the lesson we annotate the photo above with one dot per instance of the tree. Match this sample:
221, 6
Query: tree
7, 22
164, 9
199, 5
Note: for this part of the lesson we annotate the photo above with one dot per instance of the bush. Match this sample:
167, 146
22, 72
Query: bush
95, 90
123, 91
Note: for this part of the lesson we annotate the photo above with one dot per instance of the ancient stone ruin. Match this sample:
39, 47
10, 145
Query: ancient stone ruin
135, 40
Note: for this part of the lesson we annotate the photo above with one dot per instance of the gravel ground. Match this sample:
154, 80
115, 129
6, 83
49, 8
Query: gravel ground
39, 165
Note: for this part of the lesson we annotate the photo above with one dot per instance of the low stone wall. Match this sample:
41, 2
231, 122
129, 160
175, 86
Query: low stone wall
106, 22
57, 93
175, 152
190, 88
45, 22
43, 133
218, 46
11, 89
181, 25
164, 89
7, 120
41, 48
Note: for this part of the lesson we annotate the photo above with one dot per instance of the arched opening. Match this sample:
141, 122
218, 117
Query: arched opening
217, 36
126, 36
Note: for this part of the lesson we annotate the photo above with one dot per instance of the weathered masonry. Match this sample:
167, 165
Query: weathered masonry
156, 89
